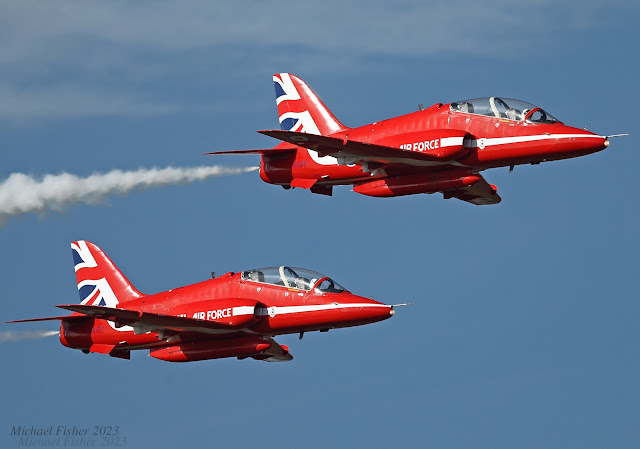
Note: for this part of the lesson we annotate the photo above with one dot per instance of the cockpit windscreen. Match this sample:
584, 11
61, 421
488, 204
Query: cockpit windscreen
504, 108
292, 277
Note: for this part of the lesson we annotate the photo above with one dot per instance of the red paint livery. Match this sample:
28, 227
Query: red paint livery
235, 315
440, 149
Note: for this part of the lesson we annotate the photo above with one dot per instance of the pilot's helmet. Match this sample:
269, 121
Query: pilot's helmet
303, 283
512, 114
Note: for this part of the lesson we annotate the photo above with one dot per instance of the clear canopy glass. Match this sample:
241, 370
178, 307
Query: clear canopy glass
504, 108
292, 277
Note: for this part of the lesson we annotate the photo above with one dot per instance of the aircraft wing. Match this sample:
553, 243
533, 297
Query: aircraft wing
167, 325
481, 193
352, 151
155, 322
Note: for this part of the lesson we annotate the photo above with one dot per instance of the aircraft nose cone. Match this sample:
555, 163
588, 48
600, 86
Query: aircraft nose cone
381, 311
370, 310
572, 142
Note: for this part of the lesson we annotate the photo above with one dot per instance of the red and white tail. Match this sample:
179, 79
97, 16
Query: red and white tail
100, 282
300, 109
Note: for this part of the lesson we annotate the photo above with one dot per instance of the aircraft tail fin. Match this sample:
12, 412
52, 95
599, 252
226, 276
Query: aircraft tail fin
300, 109
100, 282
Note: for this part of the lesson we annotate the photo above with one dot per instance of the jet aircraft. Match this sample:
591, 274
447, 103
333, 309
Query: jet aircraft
234, 315
439, 149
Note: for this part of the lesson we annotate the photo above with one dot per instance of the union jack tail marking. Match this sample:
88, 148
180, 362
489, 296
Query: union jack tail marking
300, 109
100, 282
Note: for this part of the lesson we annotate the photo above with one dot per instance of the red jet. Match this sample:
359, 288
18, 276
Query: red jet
234, 315
439, 149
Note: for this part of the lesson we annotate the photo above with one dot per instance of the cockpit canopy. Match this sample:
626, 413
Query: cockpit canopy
291, 277
504, 108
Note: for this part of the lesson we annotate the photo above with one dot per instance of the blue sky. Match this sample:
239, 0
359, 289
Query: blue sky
525, 328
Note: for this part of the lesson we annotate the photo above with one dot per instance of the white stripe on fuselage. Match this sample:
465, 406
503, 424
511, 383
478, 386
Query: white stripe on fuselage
243, 310
490, 141
283, 310
451, 141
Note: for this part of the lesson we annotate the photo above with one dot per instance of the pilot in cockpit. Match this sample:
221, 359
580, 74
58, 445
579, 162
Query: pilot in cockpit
303, 283
463, 106
256, 276
513, 114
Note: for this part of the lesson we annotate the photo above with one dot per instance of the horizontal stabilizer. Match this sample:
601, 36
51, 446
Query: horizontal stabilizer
279, 150
50, 318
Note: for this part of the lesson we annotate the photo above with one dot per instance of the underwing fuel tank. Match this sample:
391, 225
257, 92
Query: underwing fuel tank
419, 183
215, 349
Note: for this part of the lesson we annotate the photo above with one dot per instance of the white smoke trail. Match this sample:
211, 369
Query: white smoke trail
8, 336
22, 194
